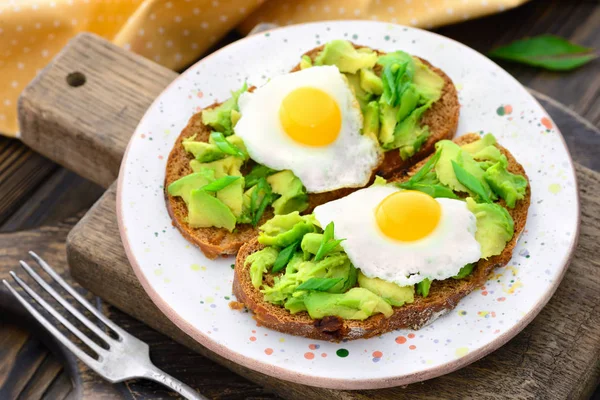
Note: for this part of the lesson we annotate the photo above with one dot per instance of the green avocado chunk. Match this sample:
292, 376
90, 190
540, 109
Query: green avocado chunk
509, 186
472, 148
183, 187
305, 62
427, 83
283, 230
337, 266
387, 120
409, 136
260, 262
495, 227
295, 304
292, 193
312, 241
205, 211
207, 152
389, 291
219, 118
357, 304
231, 195
362, 96
343, 55
450, 151
370, 82
371, 119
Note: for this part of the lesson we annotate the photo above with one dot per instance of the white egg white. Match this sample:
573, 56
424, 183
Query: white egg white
440, 255
347, 162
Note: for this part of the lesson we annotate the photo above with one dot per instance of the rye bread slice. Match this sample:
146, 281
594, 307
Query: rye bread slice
443, 296
442, 118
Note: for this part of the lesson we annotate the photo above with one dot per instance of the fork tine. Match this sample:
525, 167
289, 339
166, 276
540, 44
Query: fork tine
92, 363
84, 320
90, 343
77, 296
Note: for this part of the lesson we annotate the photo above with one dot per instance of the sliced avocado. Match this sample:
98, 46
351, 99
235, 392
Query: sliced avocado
371, 120
205, 211
283, 230
509, 186
183, 187
357, 304
387, 119
408, 103
260, 262
422, 288
370, 82
295, 304
293, 194
363, 97
219, 118
379, 181
487, 140
231, 195
489, 156
445, 172
312, 241
495, 227
305, 62
389, 291
343, 55
206, 152
409, 136
334, 266
427, 83
235, 117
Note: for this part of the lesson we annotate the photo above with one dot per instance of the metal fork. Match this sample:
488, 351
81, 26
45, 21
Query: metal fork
125, 357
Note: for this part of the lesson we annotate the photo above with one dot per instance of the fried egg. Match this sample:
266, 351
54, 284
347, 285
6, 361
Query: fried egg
310, 123
403, 236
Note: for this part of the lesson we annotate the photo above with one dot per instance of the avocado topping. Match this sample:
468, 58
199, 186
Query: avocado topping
495, 227
219, 118
402, 86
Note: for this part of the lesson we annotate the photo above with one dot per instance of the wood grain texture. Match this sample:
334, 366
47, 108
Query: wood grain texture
533, 365
86, 128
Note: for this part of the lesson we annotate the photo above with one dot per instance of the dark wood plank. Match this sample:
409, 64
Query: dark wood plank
23, 366
49, 370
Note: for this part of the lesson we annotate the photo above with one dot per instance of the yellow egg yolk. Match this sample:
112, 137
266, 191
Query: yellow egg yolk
310, 117
408, 215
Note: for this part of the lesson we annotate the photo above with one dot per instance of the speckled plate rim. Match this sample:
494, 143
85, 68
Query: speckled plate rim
336, 383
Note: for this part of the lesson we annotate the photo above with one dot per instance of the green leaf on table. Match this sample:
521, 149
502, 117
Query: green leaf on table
220, 183
545, 51
284, 257
320, 284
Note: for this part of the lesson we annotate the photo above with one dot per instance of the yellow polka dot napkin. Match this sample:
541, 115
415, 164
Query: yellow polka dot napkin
175, 33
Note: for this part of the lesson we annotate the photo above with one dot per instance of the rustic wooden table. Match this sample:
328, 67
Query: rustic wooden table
35, 192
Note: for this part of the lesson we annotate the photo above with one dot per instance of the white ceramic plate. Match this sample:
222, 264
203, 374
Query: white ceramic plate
194, 292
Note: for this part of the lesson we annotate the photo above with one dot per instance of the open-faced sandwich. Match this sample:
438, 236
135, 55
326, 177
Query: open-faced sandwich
316, 134
397, 254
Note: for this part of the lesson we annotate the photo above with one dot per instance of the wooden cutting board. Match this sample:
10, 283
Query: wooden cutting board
81, 111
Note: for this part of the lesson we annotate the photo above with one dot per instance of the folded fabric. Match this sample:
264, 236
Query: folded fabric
175, 33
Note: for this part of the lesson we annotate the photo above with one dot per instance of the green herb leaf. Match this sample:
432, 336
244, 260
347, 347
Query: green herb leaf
320, 284
225, 146
470, 182
328, 243
545, 51
435, 191
220, 183
284, 257
258, 171
423, 287
426, 168
258, 208
464, 271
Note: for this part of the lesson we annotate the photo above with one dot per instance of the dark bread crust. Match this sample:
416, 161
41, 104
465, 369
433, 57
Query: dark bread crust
443, 296
442, 119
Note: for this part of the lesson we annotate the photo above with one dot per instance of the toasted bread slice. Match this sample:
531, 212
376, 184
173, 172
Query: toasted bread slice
443, 296
442, 119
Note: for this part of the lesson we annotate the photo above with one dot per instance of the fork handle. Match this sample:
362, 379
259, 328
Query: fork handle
157, 375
